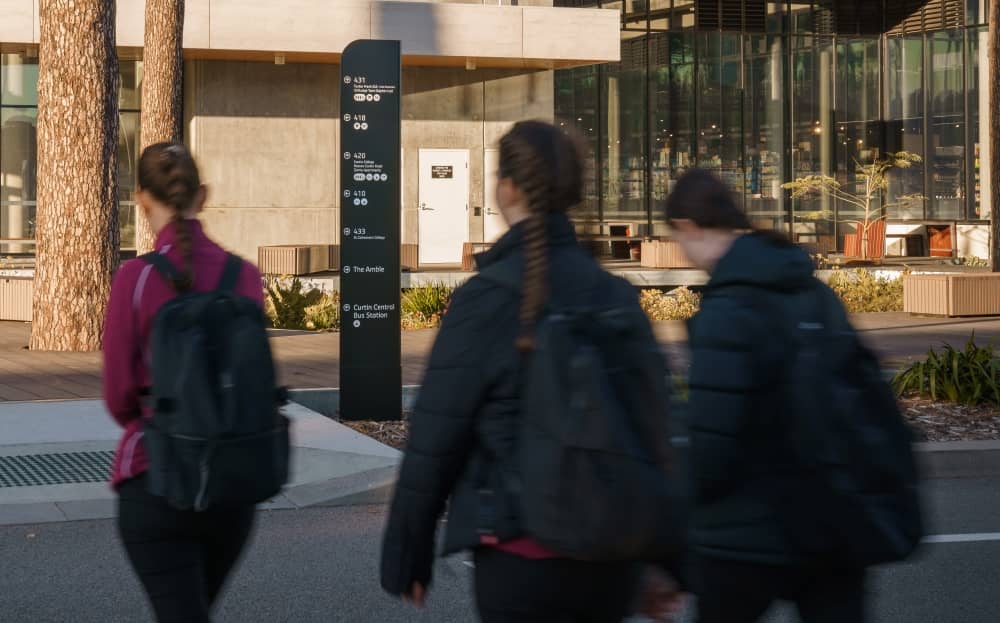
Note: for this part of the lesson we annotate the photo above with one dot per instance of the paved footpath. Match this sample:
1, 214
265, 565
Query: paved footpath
310, 360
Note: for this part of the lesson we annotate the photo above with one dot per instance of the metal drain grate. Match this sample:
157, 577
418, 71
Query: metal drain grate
32, 470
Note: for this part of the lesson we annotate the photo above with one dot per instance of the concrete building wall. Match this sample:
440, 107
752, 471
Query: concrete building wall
266, 138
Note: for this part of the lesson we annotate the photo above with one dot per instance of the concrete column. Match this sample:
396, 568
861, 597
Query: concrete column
774, 112
984, 122
614, 144
825, 118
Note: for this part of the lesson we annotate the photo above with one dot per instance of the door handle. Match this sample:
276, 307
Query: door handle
423, 206
491, 212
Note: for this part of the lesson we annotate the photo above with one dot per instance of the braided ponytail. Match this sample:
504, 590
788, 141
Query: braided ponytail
168, 172
546, 166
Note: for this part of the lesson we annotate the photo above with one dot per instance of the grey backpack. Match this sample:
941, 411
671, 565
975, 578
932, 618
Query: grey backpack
216, 436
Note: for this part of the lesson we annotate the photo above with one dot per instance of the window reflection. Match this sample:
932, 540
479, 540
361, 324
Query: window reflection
18, 149
905, 123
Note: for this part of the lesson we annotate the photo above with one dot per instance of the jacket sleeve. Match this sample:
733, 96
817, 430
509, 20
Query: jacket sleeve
441, 435
726, 356
121, 348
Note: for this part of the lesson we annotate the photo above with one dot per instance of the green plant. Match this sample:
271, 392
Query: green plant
969, 377
680, 304
325, 315
863, 292
423, 307
286, 302
874, 178
973, 261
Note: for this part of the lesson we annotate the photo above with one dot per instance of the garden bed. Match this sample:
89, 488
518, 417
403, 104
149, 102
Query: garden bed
392, 434
947, 421
930, 421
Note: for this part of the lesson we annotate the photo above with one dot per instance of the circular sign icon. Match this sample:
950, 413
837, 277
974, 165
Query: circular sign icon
347, 307
377, 97
347, 79
347, 270
347, 193
369, 177
364, 202
357, 126
347, 118
364, 126
357, 323
347, 155
369, 97
385, 177
347, 231
357, 201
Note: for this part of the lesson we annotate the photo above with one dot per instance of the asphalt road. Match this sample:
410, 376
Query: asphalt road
321, 564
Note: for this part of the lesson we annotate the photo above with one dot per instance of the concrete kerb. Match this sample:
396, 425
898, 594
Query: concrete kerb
333, 465
946, 459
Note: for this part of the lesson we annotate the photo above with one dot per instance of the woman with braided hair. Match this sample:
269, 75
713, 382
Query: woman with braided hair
465, 425
182, 557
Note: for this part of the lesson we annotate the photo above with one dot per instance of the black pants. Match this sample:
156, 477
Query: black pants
182, 557
737, 592
511, 589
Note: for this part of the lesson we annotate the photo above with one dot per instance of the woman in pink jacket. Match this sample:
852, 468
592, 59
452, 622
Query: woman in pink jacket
181, 557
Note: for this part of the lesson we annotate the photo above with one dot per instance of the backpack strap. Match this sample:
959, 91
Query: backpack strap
230, 274
165, 267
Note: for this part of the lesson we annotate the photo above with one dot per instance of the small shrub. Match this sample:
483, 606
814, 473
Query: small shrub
680, 304
863, 292
423, 308
973, 261
325, 315
286, 302
970, 376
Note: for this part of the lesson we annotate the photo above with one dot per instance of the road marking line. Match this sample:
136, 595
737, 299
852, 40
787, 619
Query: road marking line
973, 537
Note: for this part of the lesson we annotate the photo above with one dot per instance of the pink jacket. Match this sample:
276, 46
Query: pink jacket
137, 293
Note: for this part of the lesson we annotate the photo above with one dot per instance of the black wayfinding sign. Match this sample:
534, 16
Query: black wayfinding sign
370, 371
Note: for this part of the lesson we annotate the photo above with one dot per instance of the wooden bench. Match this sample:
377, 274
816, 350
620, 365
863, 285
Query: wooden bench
663, 254
296, 259
952, 294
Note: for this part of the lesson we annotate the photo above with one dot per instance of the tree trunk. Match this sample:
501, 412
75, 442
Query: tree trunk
994, 198
77, 216
162, 88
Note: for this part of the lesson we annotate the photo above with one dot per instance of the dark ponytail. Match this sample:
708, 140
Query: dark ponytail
168, 172
702, 198
546, 165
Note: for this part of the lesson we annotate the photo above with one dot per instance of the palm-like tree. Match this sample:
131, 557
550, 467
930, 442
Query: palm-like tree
77, 214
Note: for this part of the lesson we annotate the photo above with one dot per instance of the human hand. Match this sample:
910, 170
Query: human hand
417, 595
661, 598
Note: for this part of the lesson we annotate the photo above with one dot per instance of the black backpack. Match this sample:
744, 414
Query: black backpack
216, 436
594, 474
846, 489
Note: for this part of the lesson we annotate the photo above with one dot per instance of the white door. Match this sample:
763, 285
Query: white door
493, 224
443, 198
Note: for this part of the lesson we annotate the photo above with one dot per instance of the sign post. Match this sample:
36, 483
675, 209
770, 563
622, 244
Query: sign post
370, 370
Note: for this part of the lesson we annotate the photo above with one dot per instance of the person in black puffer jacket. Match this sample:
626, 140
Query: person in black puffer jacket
736, 355
465, 424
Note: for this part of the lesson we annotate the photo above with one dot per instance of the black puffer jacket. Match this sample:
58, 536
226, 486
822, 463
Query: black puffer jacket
464, 426
736, 355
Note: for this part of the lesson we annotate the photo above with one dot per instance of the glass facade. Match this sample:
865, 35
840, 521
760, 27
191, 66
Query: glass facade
18, 150
765, 92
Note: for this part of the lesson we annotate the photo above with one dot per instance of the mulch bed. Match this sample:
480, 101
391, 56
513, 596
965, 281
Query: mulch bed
931, 421
944, 421
392, 434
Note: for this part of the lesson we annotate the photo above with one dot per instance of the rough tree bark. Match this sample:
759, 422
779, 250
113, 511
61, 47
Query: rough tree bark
162, 88
994, 198
77, 226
